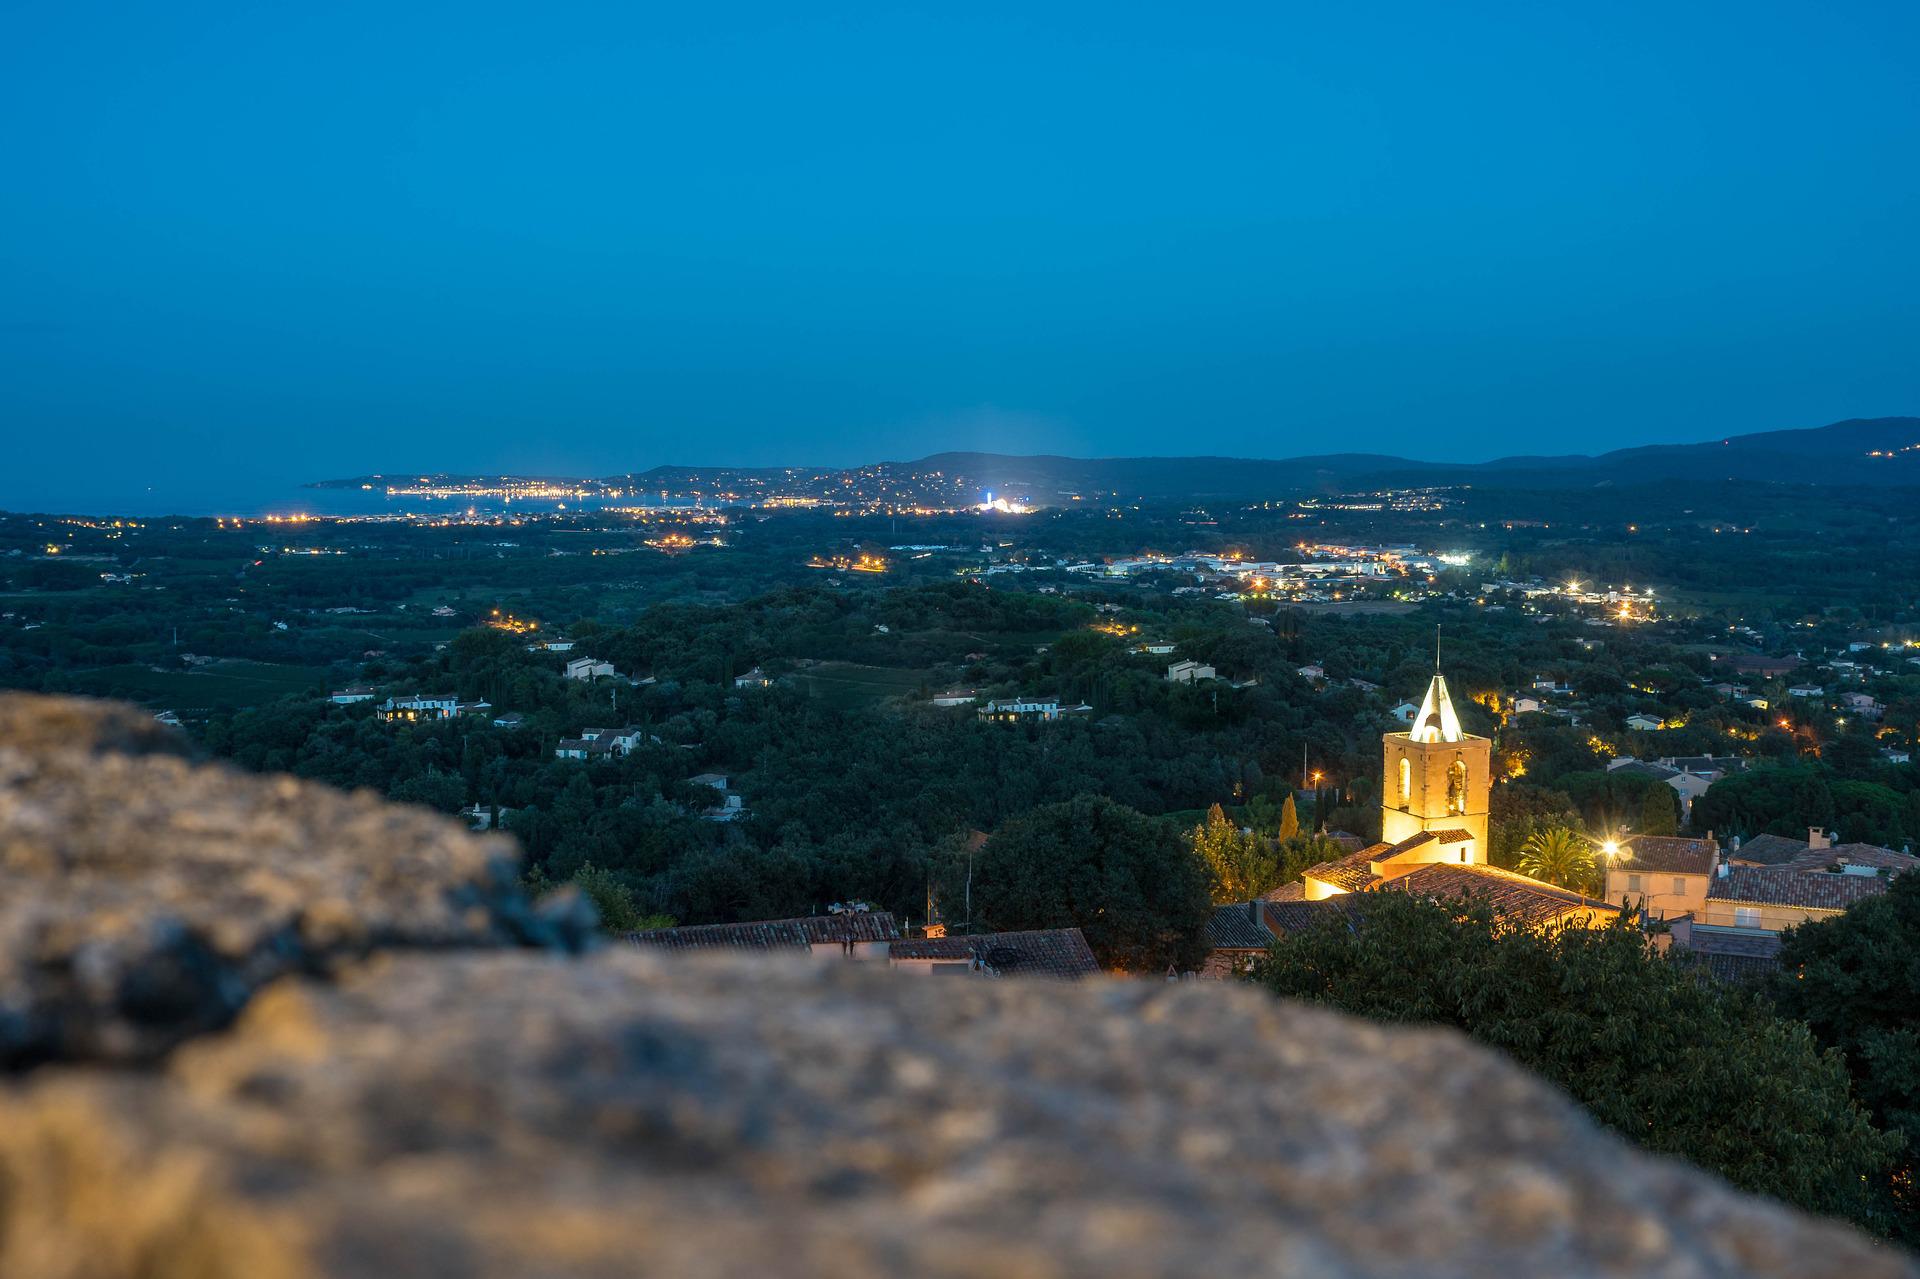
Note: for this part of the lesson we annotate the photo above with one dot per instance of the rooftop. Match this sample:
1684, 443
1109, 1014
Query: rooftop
1350, 873
1287, 917
1768, 850
1238, 926
1735, 955
1819, 859
1669, 854
1043, 952
775, 934
1515, 898
1782, 886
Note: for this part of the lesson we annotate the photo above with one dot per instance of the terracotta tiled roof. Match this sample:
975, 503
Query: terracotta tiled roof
774, 934
850, 926
1236, 927
1768, 850
1296, 891
1515, 898
1352, 872
1733, 956
1287, 918
1819, 859
1669, 855
1044, 952
1780, 886
1355, 871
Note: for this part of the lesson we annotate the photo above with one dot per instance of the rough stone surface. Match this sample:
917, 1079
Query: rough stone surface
144, 897
403, 1096
515, 1114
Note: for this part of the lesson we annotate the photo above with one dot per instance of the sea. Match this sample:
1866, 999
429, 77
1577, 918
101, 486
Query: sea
153, 503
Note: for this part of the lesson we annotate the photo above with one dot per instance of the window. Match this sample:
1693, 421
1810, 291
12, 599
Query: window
1746, 917
1633, 884
1679, 886
1406, 780
1457, 786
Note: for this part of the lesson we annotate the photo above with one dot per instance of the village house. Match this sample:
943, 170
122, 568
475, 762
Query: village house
419, 706
1689, 776
1773, 898
729, 807
1643, 723
1013, 709
588, 668
1189, 672
351, 694
956, 697
1236, 937
511, 720
1862, 704
1774, 882
1666, 875
755, 678
1820, 849
616, 741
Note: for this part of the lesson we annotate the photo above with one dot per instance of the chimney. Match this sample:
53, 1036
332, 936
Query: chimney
1722, 870
1817, 838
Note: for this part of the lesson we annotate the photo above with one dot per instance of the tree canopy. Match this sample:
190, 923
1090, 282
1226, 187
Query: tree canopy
1673, 1062
1855, 981
1240, 864
1131, 884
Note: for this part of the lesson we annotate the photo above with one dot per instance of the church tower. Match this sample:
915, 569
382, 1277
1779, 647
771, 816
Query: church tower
1438, 777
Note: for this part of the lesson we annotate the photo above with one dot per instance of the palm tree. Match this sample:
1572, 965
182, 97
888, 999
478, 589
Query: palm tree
1559, 856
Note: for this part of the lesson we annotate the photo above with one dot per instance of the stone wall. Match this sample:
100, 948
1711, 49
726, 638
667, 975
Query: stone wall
255, 1028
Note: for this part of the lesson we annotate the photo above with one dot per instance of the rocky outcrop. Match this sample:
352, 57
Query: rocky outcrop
433, 1111
143, 898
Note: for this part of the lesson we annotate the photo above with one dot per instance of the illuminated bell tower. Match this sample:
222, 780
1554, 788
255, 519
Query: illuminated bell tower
1437, 777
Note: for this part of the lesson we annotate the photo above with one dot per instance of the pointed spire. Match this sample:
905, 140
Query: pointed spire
1436, 721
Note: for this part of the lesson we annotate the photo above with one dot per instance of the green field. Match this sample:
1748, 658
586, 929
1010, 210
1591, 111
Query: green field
225, 685
846, 686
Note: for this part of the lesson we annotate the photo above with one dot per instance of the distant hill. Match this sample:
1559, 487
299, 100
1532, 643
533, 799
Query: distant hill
1881, 452
1878, 452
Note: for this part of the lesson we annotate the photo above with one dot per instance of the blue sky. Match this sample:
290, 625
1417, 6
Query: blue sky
249, 245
